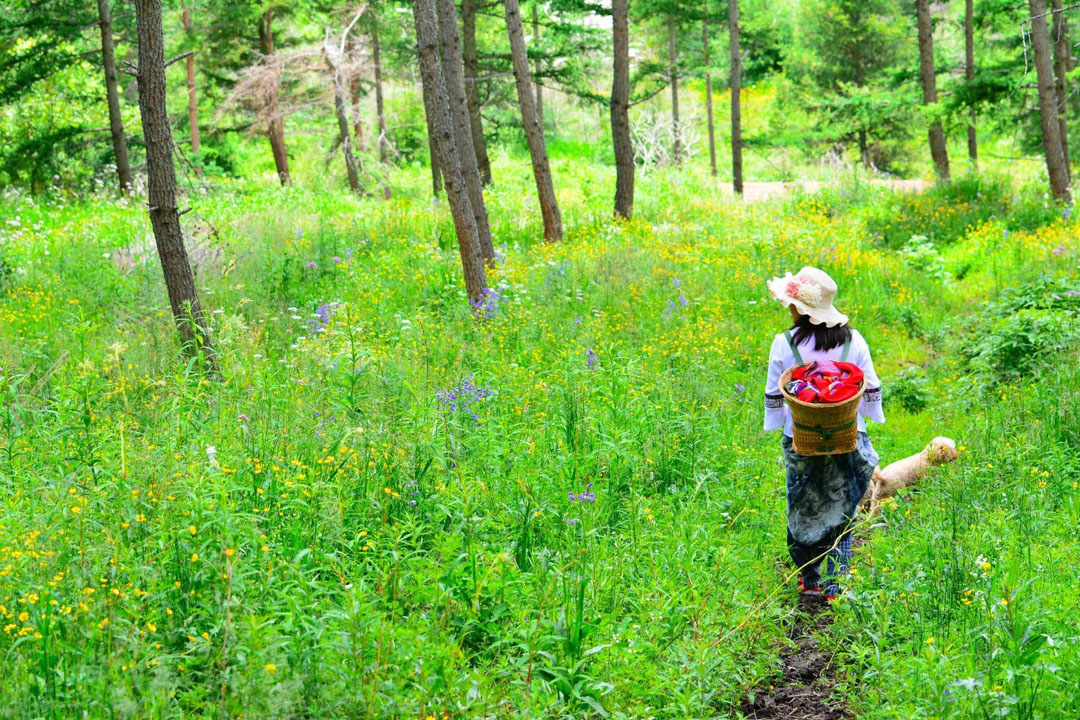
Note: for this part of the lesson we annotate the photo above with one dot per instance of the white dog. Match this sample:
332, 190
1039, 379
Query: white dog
905, 473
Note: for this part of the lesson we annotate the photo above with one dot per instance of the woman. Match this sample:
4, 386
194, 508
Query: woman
823, 492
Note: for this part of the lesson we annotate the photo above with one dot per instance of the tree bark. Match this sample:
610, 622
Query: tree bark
472, 88
673, 77
380, 110
452, 65
536, 64
708, 89
427, 41
193, 105
534, 130
736, 99
429, 116
1044, 69
355, 95
1062, 63
969, 74
938, 151
112, 96
275, 123
342, 113
620, 109
161, 184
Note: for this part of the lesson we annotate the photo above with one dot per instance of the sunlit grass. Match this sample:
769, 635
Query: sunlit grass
324, 530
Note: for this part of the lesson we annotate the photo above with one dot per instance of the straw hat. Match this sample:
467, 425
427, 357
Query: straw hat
811, 292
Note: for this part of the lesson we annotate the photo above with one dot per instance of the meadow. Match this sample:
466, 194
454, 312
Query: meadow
565, 507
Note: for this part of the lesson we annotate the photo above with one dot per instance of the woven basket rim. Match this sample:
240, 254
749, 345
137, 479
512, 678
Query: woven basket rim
785, 377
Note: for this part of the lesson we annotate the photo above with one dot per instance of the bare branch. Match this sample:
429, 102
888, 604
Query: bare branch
179, 57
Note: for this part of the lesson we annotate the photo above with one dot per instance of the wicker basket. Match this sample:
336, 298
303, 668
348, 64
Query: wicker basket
822, 428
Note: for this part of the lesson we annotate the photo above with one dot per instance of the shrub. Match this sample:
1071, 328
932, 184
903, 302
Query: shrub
909, 389
1028, 324
921, 255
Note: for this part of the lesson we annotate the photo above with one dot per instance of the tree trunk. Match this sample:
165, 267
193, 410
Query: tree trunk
1062, 63
342, 113
275, 123
161, 184
380, 111
472, 88
620, 109
192, 102
534, 130
708, 89
429, 117
938, 150
736, 99
112, 96
673, 77
427, 41
355, 95
1044, 69
536, 64
969, 74
459, 114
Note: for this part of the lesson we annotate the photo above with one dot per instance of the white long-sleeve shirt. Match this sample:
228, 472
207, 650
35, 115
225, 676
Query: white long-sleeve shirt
781, 358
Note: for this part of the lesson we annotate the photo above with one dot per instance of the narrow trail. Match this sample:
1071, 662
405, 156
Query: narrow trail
804, 689
760, 191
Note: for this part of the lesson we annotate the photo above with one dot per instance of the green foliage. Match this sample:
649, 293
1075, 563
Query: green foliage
1024, 328
921, 255
943, 214
846, 67
388, 504
909, 389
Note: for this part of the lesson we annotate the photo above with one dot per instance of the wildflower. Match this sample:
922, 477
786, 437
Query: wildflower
229, 552
270, 668
591, 359
463, 397
586, 496
337, 259
312, 265
930, 640
192, 530
1058, 250
488, 304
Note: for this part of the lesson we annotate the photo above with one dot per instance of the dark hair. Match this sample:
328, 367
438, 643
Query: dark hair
825, 338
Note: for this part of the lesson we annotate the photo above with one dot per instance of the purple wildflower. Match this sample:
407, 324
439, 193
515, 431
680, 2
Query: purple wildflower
488, 305
585, 495
466, 396
312, 265
337, 259
242, 417
591, 358
1058, 250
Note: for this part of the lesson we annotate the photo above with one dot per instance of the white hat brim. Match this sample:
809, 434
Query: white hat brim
829, 317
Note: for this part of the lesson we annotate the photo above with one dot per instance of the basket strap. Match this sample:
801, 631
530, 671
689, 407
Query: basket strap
794, 349
847, 349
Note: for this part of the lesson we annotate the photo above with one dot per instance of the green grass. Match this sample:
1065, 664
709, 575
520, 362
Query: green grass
318, 535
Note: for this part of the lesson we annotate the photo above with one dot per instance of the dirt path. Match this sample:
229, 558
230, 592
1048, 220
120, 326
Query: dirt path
758, 191
803, 692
